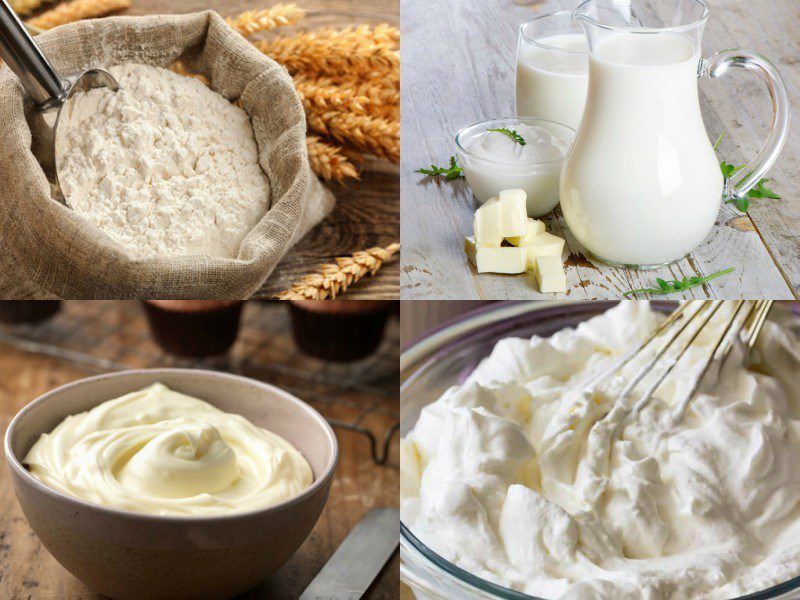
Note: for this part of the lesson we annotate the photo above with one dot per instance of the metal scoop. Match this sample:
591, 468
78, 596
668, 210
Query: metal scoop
48, 89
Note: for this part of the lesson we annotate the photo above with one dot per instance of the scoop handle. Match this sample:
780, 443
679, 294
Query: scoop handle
21, 53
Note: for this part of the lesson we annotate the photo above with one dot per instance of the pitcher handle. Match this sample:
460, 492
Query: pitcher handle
752, 173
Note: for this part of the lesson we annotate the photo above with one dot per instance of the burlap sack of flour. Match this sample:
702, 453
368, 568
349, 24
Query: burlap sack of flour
47, 250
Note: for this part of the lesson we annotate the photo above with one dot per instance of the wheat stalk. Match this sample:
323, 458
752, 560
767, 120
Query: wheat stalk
381, 34
25, 7
77, 10
368, 134
321, 53
323, 98
253, 21
369, 98
328, 162
333, 279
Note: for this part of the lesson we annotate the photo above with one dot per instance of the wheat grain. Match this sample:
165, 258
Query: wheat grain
25, 7
323, 98
77, 10
331, 280
328, 161
363, 132
280, 15
321, 53
382, 93
381, 34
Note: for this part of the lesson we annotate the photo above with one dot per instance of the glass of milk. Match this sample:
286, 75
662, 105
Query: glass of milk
496, 160
552, 69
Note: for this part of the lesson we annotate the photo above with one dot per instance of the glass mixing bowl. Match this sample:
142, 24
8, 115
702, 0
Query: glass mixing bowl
445, 358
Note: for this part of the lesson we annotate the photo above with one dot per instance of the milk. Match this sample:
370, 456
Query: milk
551, 84
642, 185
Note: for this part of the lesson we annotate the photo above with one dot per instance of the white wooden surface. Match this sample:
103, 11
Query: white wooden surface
458, 59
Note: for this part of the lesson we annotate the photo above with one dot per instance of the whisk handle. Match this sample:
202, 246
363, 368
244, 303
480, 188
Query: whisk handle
21, 53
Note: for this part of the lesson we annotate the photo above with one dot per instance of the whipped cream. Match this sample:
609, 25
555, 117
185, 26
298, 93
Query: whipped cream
521, 479
161, 452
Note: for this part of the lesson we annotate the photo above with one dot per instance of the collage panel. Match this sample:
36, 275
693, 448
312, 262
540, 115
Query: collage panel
599, 150
206, 149
165, 450
560, 450
220, 377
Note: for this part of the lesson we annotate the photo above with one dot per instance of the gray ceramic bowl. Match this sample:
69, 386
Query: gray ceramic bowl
129, 555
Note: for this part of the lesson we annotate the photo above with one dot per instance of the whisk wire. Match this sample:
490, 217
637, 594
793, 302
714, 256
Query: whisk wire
745, 322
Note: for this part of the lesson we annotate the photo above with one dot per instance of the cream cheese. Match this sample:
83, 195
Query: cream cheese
516, 476
162, 452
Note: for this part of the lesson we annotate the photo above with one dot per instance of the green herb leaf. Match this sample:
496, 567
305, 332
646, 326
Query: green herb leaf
668, 287
741, 204
760, 190
449, 173
512, 134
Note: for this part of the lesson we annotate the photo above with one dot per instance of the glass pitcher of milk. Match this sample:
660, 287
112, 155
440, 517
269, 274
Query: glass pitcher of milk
641, 186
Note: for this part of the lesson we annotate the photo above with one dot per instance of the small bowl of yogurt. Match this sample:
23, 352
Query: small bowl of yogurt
524, 153
171, 483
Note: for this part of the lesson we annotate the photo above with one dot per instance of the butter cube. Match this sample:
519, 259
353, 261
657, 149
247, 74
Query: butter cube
549, 274
501, 217
469, 250
543, 244
513, 213
534, 228
487, 224
508, 260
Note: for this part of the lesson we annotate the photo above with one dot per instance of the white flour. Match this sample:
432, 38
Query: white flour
165, 166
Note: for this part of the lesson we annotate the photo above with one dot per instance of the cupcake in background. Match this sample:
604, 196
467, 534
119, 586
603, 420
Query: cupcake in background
194, 327
339, 330
27, 311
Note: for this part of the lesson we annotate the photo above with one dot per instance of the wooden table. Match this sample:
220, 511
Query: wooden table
458, 68
108, 336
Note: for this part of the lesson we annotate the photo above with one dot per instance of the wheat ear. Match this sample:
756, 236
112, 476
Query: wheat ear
368, 134
328, 162
334, 279
77, 10
324, 55
25, 7
253, 21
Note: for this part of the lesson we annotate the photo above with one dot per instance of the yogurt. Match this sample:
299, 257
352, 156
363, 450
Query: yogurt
521, 479
552, 78
161, 452
493, 161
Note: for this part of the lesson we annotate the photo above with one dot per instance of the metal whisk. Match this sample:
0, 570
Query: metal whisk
679, 332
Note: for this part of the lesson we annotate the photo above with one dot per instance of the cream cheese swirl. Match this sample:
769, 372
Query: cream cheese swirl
162, 452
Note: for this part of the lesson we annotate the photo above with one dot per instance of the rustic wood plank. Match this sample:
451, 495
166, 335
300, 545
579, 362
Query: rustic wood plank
458, 68
117, 331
